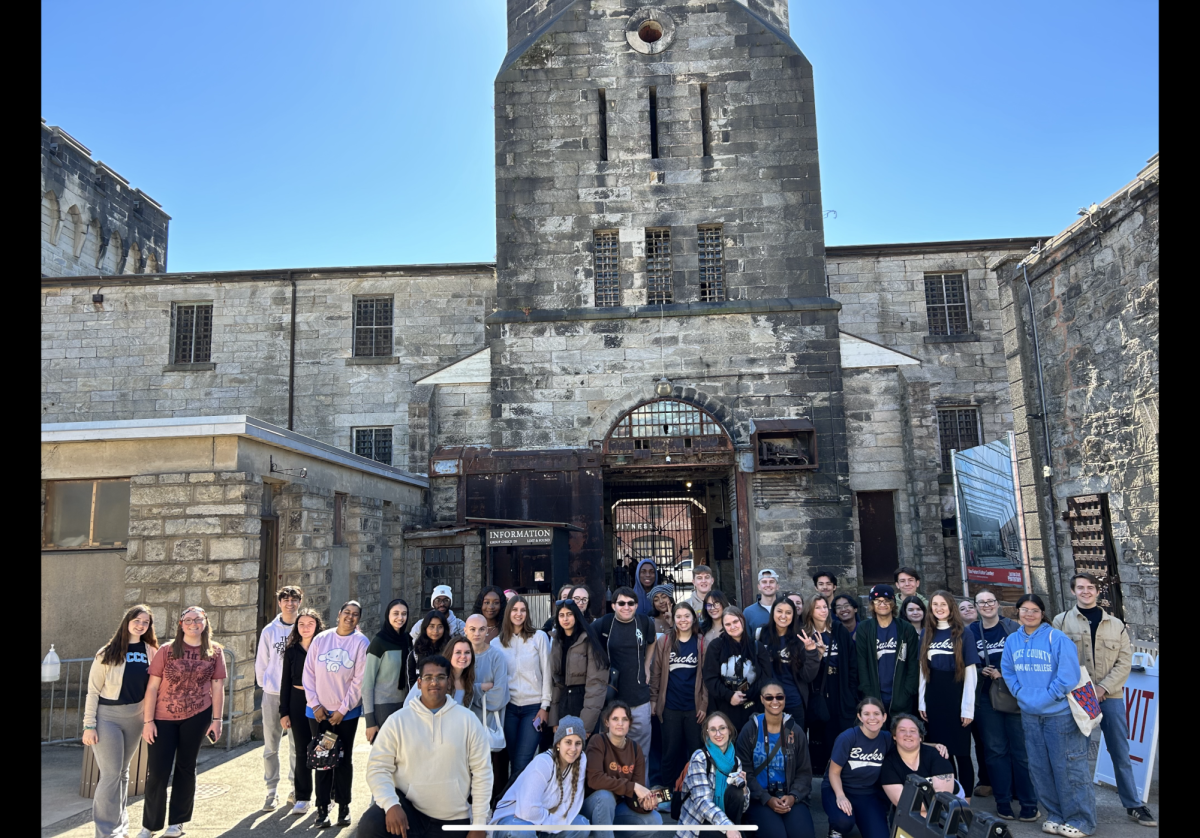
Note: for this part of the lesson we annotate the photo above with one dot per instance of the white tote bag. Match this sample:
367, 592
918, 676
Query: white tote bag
1085, 705
494, 727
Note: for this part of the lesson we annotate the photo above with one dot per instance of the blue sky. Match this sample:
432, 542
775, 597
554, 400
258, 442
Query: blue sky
305, 134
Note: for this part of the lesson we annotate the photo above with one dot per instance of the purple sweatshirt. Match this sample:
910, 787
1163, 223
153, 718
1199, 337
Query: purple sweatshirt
333, 672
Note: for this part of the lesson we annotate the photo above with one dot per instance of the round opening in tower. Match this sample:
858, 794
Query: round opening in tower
650, 31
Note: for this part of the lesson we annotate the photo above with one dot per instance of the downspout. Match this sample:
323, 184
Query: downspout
1047, 470
292, 359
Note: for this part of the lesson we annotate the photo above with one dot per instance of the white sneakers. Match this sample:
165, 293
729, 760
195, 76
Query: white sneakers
1070, 831
302, 807
173, 831
145, 833
1051, 828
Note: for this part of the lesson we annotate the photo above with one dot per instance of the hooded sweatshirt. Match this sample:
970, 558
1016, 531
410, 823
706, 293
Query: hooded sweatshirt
333, 672
537, 791
1040, 669
435, 760
268, 663
645, 603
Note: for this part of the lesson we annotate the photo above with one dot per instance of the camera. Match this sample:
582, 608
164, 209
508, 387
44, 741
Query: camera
735, 780
776, 790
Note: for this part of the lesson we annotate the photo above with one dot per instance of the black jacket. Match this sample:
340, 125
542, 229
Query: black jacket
719, 692
293, 675
797, 768
847, 678
804, 672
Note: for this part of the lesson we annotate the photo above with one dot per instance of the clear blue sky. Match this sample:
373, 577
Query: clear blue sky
301, 133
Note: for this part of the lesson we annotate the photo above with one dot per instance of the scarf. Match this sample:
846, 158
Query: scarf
387, 639
724, 762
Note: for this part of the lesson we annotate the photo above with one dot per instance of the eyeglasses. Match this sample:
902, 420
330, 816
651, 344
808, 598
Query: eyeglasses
580, 598
712, 605
430, 679
721, 729
198, 621
772, 698
625, 603
984, 603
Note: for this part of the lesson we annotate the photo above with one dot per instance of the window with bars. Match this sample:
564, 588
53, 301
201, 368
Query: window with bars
606, 260
372, 327
442, 566
191, 324
946, 304
711, 250
958, 429
658, 267
374, 444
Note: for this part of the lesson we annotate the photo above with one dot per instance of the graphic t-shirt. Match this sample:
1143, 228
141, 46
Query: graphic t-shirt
860, 757
135, 677
681, 685
930, 764
772, 774
627, 645
941, 651
831, 652
887, 643
186, 687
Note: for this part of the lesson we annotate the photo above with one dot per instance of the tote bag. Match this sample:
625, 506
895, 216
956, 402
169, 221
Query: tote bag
494, 727
1085, 705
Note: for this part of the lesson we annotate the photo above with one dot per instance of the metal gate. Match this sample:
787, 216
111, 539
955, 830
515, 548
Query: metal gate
1092, 546
671, 531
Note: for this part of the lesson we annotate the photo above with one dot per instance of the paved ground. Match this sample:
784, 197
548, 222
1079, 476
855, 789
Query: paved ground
234, 779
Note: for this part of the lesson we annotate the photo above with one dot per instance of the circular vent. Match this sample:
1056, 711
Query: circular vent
650, 30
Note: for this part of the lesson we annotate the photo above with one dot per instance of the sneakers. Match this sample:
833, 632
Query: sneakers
291, 797
322, 817
176, 829
1051, 828
271, 803
833, 833
982, 791
1142, 815
1070, 831
1005, 811
302, 807
145, 833
343, 814
1029, 814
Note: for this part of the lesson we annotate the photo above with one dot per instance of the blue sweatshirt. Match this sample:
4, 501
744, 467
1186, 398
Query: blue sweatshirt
645, 604
1040, 669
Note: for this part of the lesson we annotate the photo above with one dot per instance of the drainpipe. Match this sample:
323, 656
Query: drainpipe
1056, 593
292, 359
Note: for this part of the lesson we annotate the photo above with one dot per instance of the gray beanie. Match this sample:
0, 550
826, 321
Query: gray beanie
570, 726
665, 588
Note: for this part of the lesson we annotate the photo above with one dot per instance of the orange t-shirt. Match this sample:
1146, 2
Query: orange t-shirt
186, 687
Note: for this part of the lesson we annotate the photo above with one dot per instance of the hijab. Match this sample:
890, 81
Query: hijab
387, 639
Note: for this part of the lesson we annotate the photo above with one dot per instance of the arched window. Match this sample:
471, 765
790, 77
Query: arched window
51, 217
667, 427
133, 262
151, 263
78, 230
112, 256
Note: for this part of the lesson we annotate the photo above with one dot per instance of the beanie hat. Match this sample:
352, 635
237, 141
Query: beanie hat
666, 588
441, 590
883, 592
570, 726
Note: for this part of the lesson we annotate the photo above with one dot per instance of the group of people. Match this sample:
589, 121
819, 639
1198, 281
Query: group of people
494, 720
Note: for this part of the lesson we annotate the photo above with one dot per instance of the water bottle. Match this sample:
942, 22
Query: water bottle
51, 665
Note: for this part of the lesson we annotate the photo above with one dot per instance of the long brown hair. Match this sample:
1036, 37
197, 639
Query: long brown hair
114, 652
957, 628
506, 627
294, 635
207, 646
468, 675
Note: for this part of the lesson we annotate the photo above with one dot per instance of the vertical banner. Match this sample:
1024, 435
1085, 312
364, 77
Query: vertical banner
989, 516
1141, 715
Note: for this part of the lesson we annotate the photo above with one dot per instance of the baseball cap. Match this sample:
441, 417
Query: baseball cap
883, 592
766, 571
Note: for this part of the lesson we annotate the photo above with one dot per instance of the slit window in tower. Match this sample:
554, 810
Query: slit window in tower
654, 122
606, 253
603, 97
705, 132
712, 263
658, 267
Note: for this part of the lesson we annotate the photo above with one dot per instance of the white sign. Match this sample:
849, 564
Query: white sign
1141, 715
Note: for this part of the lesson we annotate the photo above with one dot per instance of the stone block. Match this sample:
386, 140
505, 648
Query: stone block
142, 495
188, 550
233, 548
172, 478
162, 593
146, 527
240, 570
154, 550
190, 526
231, 594
206, 572
235, 620
247, 525
201, 477
208, 494
155, 573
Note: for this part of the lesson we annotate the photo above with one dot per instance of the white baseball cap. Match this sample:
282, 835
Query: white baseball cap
441, 590
766, 571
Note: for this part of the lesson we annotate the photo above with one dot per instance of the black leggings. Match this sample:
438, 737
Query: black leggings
301, 736
175, 742
336, 780
680, 739
964, 771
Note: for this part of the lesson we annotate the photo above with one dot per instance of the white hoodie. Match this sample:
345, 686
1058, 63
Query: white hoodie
268, 663
435, 760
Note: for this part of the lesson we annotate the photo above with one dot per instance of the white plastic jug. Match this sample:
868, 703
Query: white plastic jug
51, 665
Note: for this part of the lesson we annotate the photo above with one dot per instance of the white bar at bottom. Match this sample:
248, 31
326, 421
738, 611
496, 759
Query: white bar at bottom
624, 827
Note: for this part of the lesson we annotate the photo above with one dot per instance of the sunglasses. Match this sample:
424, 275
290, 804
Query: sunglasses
624, 603
772, 697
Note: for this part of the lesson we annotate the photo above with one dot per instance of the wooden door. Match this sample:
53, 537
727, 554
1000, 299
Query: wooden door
877, 534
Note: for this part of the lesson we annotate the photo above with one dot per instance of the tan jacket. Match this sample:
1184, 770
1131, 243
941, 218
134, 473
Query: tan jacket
1109, 662
660, 672
105, 682
583, 667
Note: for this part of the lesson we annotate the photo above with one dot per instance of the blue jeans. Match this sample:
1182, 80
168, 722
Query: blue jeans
579, 820
797, 823
1004, 750
520, 735
870, 812
601, 808
1115, 728
1058, 763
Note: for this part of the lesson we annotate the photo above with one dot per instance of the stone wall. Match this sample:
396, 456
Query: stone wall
415, 542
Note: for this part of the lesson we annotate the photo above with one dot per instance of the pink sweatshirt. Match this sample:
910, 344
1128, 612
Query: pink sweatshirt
333, 671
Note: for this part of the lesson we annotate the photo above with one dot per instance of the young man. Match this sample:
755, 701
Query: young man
702, 582
1106, 650
825, 582
645, 578
268, 672
888, 651
1003, 746
629, 639
441, 599
421, 769
908, 580
845, 609
759, 613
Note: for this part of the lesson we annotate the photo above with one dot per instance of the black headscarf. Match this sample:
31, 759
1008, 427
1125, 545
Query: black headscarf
387, 639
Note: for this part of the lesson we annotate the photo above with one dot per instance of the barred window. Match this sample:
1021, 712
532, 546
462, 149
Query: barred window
606, 259
946, 304
958, 429
192, 327
442, 566
712, 263
372, 327
658, 266
374, 444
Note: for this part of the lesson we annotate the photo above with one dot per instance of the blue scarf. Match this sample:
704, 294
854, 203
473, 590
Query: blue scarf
725, 761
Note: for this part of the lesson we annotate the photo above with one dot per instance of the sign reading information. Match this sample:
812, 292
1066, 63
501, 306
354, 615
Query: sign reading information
512, 537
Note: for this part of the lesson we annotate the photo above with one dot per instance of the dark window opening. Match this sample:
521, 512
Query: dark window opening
372, 327
192, 324
86, 513
374, 444
603, 125
654, 122
339, 519
442, 566
946, 304
606, 267
958, 429
658, 267
705, 132
710, 246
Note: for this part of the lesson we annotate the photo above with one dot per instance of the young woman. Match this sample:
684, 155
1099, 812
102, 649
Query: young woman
578, 667
333, 675
779, 780
677, 694
662, 598
948, 677
909, 755
1040, 666
490, 603
387, 676
730, 670
714, 609
112, 717
845, 610
798, 601
550, 790
292, 704
715, 782
184, 697
834, 693
790, 655
616, 774
435, 631
548, 626
530, 685
913, 610
850, 794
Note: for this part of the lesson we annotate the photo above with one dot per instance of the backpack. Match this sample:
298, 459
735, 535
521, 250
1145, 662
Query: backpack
681, 792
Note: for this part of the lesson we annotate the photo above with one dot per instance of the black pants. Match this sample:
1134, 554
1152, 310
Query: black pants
980, 753
373, 823
337, 780
178, 743
301, 736
499, 775
681, 738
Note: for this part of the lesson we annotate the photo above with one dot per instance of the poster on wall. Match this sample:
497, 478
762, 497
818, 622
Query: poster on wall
1141, 716
990, 529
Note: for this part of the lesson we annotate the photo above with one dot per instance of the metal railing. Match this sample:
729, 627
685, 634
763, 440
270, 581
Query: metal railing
82, 670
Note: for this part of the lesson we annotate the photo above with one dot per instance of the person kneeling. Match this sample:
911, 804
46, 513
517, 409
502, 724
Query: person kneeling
421, 770
550, 791
715, 782
616, 777
780, 779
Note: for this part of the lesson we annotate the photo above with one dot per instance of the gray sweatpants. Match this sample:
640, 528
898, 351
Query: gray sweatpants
639, 730
272, 733
119, 728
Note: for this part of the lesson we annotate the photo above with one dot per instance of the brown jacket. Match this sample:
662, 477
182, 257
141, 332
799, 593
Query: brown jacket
660, 672
583, 667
